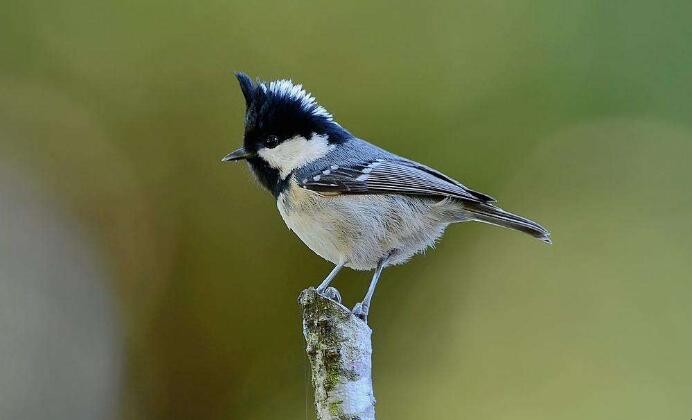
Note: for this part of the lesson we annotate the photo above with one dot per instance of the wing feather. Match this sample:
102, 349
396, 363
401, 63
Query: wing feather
389, 176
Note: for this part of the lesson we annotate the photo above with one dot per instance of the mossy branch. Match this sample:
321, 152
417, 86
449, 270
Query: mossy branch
339, 348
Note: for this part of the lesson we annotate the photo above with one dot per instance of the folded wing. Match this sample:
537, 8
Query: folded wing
388, 176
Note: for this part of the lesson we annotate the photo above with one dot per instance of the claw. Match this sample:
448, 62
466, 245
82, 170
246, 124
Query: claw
332, 293
360, 312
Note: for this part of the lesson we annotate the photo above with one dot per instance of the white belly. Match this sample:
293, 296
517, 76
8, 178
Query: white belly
362, 229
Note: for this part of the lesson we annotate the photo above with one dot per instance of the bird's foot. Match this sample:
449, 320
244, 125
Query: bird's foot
331, 293
361, 311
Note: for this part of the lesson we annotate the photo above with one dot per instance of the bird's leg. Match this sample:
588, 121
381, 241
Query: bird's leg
361, 309
325, 283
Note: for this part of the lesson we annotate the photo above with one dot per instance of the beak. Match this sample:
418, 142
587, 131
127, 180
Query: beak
237, 155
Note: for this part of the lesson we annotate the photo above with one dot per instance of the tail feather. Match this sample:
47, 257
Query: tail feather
496, 216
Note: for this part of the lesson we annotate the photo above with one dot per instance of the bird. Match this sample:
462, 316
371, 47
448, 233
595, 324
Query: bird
351, 202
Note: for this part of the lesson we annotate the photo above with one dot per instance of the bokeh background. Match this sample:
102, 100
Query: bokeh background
140, 278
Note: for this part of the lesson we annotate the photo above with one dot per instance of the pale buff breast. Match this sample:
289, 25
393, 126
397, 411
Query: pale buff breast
361, 229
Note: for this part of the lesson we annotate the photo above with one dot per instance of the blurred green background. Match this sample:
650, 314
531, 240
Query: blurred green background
140, 278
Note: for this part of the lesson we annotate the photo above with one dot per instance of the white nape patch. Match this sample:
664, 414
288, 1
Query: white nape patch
326, 172
295, 153
366, 170
316, 178
362, 177
286, 88
334, 167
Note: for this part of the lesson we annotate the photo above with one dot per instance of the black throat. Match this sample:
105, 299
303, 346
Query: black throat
268, 176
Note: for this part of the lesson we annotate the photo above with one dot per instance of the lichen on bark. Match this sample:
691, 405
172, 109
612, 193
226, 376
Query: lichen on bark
338, 345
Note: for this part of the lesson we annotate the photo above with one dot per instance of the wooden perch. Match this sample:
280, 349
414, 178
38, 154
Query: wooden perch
340, 350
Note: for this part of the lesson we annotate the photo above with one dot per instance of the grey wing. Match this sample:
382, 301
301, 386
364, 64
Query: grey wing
388, 176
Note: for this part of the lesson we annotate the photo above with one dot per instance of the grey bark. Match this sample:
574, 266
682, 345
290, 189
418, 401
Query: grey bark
339, 349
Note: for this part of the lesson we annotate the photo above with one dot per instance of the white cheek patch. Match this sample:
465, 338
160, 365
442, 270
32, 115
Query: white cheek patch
295, 152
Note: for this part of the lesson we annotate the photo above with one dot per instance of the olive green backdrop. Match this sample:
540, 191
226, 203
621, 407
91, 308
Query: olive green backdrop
114, 116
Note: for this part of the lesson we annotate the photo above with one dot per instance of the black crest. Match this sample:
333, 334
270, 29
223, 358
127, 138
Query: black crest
283, 109
247, 86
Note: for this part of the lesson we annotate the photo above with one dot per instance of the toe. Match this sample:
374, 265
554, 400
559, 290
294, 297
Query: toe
360, 312
332, 293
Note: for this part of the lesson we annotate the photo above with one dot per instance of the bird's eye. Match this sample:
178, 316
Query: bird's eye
271, 141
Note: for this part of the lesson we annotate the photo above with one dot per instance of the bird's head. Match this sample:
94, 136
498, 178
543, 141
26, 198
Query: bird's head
285, 128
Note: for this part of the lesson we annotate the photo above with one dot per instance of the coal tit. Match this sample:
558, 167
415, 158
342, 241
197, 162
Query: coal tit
351, 202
